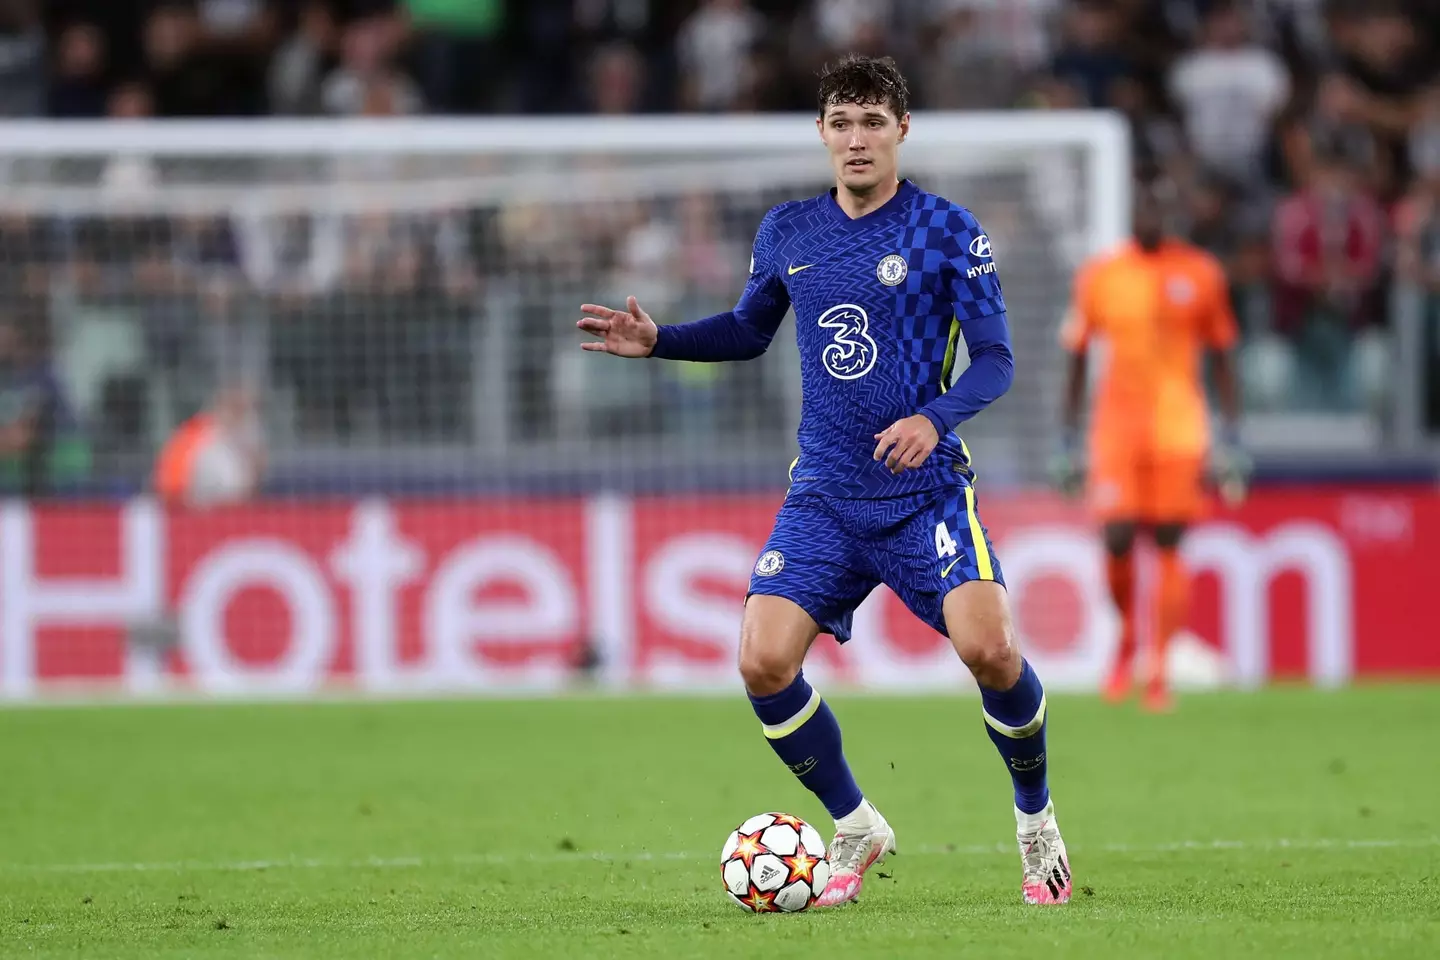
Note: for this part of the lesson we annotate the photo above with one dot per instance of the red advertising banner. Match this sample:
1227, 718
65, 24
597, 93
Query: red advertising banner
492, 595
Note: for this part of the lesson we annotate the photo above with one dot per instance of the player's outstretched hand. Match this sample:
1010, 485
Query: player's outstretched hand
906, 444
1231, 469
624, 333
1066, 466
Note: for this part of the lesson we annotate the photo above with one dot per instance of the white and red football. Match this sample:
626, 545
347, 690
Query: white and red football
774, 863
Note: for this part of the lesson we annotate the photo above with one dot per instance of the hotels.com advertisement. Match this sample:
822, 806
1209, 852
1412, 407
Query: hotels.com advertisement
497, 596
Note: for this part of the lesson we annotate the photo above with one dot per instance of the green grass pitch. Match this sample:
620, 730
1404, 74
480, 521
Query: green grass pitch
1290, 823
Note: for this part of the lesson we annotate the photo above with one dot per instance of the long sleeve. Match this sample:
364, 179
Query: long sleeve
974, 289
725, 336
740, 334
985, 380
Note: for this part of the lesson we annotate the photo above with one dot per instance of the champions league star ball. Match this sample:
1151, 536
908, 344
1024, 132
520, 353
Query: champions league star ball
774, 863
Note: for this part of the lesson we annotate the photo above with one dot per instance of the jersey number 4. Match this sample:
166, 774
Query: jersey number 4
944, 543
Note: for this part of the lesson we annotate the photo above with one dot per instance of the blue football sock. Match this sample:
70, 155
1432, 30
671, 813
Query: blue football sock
1015, 720
805, 735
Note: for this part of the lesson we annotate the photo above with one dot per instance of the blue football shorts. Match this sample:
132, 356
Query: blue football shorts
826, 554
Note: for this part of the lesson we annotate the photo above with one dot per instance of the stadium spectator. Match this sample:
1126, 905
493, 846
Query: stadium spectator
1383, 69
368, 75
77, 82
22, 59
1230, 91
1156, 140
1021, 29
29, 252
547, 71
239, 28
964, 66
1091, 60
217, 456
184, 80
1418, 215
133, 100
709, 267
302, 61
38, 445
712, 45
617, 80
454, 38
862, 26
1329, 239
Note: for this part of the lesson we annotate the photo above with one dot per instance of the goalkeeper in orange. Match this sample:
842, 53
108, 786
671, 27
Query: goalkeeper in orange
1157, 306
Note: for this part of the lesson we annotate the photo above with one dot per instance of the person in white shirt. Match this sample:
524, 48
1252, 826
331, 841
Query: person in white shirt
1230, 90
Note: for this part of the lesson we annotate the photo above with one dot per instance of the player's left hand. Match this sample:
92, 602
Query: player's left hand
1231, 468
906, 444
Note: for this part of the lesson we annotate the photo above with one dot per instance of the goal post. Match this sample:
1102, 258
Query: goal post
390, 306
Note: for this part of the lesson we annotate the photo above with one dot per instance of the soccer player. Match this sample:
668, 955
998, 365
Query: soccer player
885, 279
1158, 304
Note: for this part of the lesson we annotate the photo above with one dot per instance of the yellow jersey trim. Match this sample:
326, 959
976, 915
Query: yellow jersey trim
984, 566
947, 369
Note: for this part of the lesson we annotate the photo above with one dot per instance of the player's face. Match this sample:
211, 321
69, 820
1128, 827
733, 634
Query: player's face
864, 143
1149, 225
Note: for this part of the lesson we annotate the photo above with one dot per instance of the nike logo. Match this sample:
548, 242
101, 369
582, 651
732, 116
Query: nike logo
946, 572
794, 269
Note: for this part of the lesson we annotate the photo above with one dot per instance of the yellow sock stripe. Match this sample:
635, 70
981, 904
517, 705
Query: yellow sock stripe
1017, 733
983, 564
779, 731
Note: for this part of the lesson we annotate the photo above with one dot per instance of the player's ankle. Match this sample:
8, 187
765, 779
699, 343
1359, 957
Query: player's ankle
1030, 822
862, 819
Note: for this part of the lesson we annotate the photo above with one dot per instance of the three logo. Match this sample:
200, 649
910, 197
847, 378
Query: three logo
852, 351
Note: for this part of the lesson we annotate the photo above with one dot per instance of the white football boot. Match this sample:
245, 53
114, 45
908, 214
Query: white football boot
859, 845
1045, 865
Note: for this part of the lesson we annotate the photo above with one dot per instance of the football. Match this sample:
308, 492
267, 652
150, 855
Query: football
774, 863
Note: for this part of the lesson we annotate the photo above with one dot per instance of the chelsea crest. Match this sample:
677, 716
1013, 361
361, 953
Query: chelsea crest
893, 270
771, 562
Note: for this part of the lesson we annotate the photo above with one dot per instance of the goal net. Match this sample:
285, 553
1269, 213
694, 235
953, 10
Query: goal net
292, 405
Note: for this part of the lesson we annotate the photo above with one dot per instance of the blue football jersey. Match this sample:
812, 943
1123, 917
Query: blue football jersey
880, 304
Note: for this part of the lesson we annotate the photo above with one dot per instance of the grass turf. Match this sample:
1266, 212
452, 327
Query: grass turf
1285, 824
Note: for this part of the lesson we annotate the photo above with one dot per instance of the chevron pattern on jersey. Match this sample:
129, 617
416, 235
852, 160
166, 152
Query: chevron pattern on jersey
810, 253
827, 554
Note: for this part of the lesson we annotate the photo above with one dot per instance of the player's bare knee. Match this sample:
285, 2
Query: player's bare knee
774, 636
766, 668
977, 616
995, 659
1169, 535
1119, 536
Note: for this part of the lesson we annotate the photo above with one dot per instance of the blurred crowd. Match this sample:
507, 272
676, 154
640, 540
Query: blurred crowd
1298, 140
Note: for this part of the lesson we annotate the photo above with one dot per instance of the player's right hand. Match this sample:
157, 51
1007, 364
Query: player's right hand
1067, 472
623, 333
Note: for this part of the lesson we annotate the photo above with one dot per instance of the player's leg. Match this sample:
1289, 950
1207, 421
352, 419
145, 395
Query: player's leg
809, 580
1119, 539
1178, 500
1115, 498
946, 572
977, 615
799, 726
